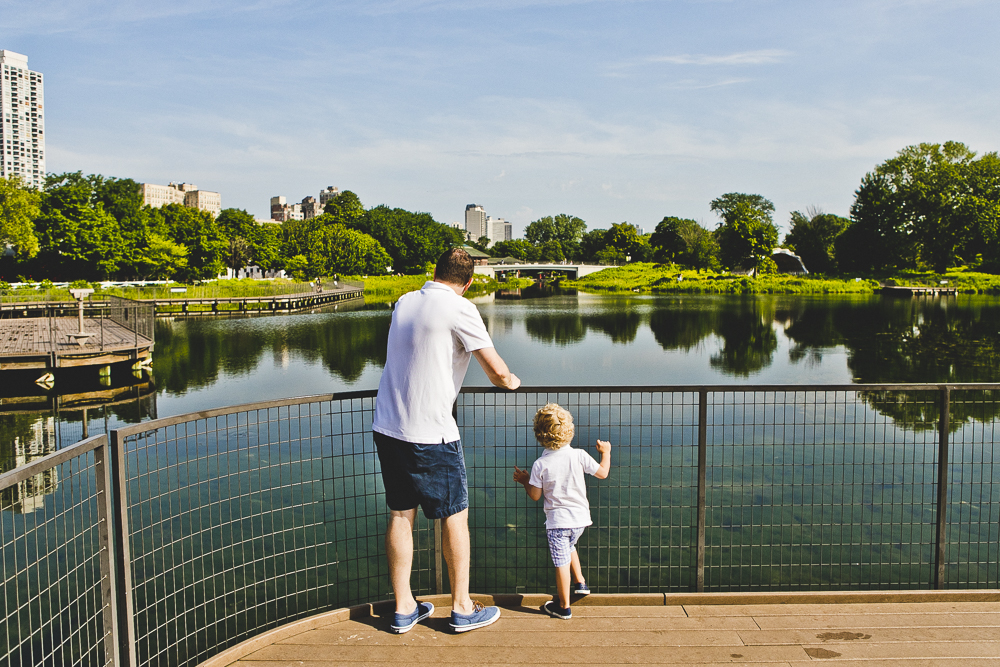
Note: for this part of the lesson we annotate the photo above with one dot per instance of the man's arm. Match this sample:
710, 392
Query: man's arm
496, 369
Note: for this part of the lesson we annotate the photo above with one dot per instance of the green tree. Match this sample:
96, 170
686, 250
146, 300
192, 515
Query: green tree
932, 187
516, 248
625, 240
983, 204
812, 238
352, 252
591, 243
411, 239
345, 208
684, 241
566, 230
77, 237
122, 198
161, 259
240, 231
747, 234
551, 251
19, 206
879, 236
199, 233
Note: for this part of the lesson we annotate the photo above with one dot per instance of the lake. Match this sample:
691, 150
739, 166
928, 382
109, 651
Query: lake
554, 337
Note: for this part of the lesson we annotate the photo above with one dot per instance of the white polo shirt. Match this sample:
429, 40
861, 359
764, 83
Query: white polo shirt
431, 339
559, 474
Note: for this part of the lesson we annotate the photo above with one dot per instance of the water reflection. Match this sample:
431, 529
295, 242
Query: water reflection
885, 340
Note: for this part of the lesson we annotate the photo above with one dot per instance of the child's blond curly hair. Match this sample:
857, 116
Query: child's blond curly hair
553, 426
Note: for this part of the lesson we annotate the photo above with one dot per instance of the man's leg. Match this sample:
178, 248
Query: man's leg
399, 549
455, 541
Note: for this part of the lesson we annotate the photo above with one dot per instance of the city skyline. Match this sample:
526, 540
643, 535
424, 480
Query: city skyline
609, 111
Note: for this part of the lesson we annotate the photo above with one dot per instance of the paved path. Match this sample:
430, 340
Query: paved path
792, 633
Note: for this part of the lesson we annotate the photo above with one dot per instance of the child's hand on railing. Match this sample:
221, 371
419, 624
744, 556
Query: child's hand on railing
521, 476
603, 446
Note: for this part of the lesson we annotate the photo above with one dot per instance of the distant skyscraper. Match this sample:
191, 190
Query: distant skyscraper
22, 128
475, 222
500, 230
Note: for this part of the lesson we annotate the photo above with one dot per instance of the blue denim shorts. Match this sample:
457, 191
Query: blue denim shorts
429, 476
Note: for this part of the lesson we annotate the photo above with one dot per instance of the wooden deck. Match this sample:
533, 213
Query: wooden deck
38, 342
912, 628
915, 290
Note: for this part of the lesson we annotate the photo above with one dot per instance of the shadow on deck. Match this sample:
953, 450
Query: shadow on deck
940, 628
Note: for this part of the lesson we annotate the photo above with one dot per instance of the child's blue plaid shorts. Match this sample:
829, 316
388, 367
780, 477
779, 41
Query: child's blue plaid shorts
562, 543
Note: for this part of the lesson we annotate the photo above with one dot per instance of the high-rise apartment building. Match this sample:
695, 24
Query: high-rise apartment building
326, 195
22, 124
500, 230
185, 194
475, 222
281, 210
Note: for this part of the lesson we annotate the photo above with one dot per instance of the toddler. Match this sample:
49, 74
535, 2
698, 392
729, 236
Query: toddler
558, 475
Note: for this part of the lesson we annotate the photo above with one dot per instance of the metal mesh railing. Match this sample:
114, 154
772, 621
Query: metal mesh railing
241, 519
57, 569
134, 316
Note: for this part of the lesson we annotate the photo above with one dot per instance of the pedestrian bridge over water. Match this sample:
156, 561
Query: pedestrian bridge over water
572, 271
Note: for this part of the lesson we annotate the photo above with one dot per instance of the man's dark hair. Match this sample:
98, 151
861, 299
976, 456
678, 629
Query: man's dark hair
454, 266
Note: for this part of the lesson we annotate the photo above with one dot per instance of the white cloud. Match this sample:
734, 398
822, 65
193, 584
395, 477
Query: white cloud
761, 57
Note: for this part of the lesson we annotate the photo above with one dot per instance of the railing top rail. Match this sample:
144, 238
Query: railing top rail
164, 422
28, 470
730, 388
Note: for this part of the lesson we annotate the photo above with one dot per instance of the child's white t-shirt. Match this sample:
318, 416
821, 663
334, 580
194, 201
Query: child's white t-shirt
559, 474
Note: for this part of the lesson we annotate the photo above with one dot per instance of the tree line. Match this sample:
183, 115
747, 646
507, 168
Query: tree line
931, 206
97, 228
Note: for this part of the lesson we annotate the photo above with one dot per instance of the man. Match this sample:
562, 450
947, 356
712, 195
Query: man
433, 334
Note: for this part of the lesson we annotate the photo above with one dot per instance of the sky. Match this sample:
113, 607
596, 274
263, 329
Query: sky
609, 110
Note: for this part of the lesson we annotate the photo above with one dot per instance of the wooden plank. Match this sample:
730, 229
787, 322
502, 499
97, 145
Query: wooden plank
830, 622
845, 609
516, 653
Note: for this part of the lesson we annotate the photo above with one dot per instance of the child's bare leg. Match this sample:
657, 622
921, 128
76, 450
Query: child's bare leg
575, 569
562, 586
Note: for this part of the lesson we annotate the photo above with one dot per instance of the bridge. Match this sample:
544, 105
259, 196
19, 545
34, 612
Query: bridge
572, 271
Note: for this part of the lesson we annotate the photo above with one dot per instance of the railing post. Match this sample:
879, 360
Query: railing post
702, 466
940, 555
438, 559
123, 556
105, 510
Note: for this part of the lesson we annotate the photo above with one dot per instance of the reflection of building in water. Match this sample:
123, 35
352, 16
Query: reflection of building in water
29, 495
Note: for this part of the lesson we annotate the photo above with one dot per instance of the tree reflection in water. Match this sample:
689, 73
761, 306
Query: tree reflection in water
885, 340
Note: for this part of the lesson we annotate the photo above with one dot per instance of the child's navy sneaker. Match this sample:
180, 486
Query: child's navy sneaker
405, 622
479, 618
555, 611
581, 588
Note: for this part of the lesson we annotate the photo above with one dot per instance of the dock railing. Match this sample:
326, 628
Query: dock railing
232, 521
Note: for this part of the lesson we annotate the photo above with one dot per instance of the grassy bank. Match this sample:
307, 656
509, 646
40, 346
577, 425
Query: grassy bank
387, 289
666, 278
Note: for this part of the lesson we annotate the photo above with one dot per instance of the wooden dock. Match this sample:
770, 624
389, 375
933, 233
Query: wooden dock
49, 343
281, 304
917, 290
940, 628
